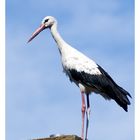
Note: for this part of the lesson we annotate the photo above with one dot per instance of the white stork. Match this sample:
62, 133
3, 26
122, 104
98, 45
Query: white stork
84, 72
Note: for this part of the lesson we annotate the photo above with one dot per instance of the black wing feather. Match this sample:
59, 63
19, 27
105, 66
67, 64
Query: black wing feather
103, 83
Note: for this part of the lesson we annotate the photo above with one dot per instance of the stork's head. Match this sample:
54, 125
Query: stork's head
47, 22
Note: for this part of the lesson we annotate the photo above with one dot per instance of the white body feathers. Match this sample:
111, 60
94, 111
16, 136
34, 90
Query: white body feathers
72, 58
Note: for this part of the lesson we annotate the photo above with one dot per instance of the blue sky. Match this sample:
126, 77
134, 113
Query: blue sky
40, 100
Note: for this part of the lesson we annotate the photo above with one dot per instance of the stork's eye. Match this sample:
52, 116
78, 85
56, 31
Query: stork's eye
46, 20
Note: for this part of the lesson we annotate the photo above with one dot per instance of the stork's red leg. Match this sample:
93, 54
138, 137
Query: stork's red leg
87, 114
83, 114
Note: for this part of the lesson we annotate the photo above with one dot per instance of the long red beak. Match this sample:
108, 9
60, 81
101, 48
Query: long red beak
41, 28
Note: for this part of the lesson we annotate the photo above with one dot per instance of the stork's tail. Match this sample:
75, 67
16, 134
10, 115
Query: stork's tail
121, 97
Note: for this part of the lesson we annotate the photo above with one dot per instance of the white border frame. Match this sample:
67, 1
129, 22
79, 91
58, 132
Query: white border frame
2, 69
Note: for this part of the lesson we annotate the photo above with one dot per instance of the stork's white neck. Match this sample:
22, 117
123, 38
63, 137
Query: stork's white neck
58, 39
